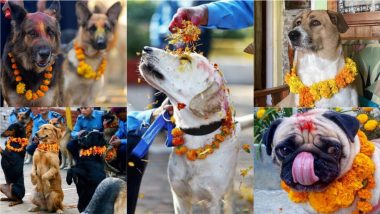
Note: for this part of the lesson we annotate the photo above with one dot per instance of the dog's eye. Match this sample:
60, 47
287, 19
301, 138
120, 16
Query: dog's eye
315, 23
33, 34
283, 151
50, 32
92, 28
334, 151
184, 59
107, 28
298, 23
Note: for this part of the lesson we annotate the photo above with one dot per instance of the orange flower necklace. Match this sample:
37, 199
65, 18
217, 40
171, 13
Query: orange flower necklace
226, 130
23, 142
95, 150
48, 147
358, 182
21, 87
85, 70
110, 154
28, 129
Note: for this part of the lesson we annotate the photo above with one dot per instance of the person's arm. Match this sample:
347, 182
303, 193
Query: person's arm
34, 129
225, 14
76, 129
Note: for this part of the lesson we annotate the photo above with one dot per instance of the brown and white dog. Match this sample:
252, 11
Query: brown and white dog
34, 46
96, 31
316, 148
48, 194
192, 80
315, 36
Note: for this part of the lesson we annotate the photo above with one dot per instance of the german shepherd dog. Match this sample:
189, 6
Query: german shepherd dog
89, 171
30, 52
96, 31
26, 120
12, 163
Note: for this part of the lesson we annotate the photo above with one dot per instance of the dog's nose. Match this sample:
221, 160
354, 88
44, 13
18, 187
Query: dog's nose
101, 44
44, 53
148, 49
294, 35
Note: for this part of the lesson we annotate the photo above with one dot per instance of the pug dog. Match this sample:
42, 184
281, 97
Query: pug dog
314, 149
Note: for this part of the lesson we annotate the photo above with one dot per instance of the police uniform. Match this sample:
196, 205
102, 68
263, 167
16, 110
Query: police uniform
13, 116
93, 122
38, 121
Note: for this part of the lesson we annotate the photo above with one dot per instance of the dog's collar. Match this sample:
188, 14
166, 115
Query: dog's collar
204, 129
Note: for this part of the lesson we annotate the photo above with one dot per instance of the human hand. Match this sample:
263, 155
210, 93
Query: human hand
116, 142
197, 15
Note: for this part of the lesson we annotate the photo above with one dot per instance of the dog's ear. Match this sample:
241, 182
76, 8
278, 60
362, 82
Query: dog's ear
18, 13
338, 20
57, 132
54, 10
113, 12
28, 112
207, 102
269, 134
83, 13
350, 125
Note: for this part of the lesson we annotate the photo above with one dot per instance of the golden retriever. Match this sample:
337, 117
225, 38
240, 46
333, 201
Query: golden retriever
48, 194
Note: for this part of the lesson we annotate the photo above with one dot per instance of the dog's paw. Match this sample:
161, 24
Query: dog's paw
59, 211
34, 209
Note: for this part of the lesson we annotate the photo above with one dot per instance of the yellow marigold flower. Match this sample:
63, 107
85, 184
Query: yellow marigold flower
362, 118
29, 94
298, 197
20, 88
260, 113
370, 125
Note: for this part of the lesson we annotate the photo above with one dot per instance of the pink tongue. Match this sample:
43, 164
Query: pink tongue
303, 169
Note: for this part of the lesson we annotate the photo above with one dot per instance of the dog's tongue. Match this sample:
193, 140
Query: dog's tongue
303, 169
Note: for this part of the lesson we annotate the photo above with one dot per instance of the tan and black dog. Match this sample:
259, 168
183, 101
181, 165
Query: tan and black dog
30, 64
86, 60
26, 120
66, 157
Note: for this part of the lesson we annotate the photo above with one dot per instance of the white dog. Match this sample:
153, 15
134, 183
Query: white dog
191, 80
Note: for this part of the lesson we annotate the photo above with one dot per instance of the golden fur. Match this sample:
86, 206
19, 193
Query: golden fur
48, 194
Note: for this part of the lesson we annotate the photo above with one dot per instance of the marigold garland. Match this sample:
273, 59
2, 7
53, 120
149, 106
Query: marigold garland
358, 182
93, 151
178, 141
110, 154
22, 142
324, 89
48, 147
21, 87
85, 70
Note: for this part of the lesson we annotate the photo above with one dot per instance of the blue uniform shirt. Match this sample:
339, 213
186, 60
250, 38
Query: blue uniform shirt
230, 14
136, 124
94, 121
13, 116
39, 120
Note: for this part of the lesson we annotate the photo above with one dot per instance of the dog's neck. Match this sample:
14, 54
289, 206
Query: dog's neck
88, 50
308, 64
186, 119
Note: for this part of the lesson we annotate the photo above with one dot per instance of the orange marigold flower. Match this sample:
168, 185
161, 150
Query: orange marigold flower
364, 206
40, 93
34, 96
306, 98
177, 141
16, 72
18, 78
14, 66
46, 82
48, 75
29, 94
176, 132
44, 88
365, 194
219, 137
191, 155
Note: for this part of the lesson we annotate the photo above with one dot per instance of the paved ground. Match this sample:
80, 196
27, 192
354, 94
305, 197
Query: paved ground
155, 191
69, 202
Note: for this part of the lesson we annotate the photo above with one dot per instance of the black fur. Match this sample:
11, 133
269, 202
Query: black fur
12, 162
350, 125
88, 171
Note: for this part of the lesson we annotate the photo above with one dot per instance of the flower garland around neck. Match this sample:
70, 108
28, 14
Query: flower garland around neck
110, 154
21, 87
93, 151
308, 95
23, 142
358, 182
85, 70
48, 147
226, 130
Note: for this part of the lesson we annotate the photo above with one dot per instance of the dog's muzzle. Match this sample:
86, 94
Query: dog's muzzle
42, 56
294, 36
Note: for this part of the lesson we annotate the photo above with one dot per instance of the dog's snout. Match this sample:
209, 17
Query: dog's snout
44, 53
101, 43
148, 49
294, 35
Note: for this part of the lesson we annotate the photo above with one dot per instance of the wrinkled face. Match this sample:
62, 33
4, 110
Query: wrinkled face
312, 151
97, 28
90, 139
48, 134
316, 30
14, 130
181, 78
35, 37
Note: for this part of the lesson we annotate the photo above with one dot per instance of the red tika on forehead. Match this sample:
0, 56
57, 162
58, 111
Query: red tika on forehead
304, 122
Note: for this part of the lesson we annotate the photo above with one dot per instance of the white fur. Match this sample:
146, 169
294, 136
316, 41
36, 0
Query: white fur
201, 182
312, 69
